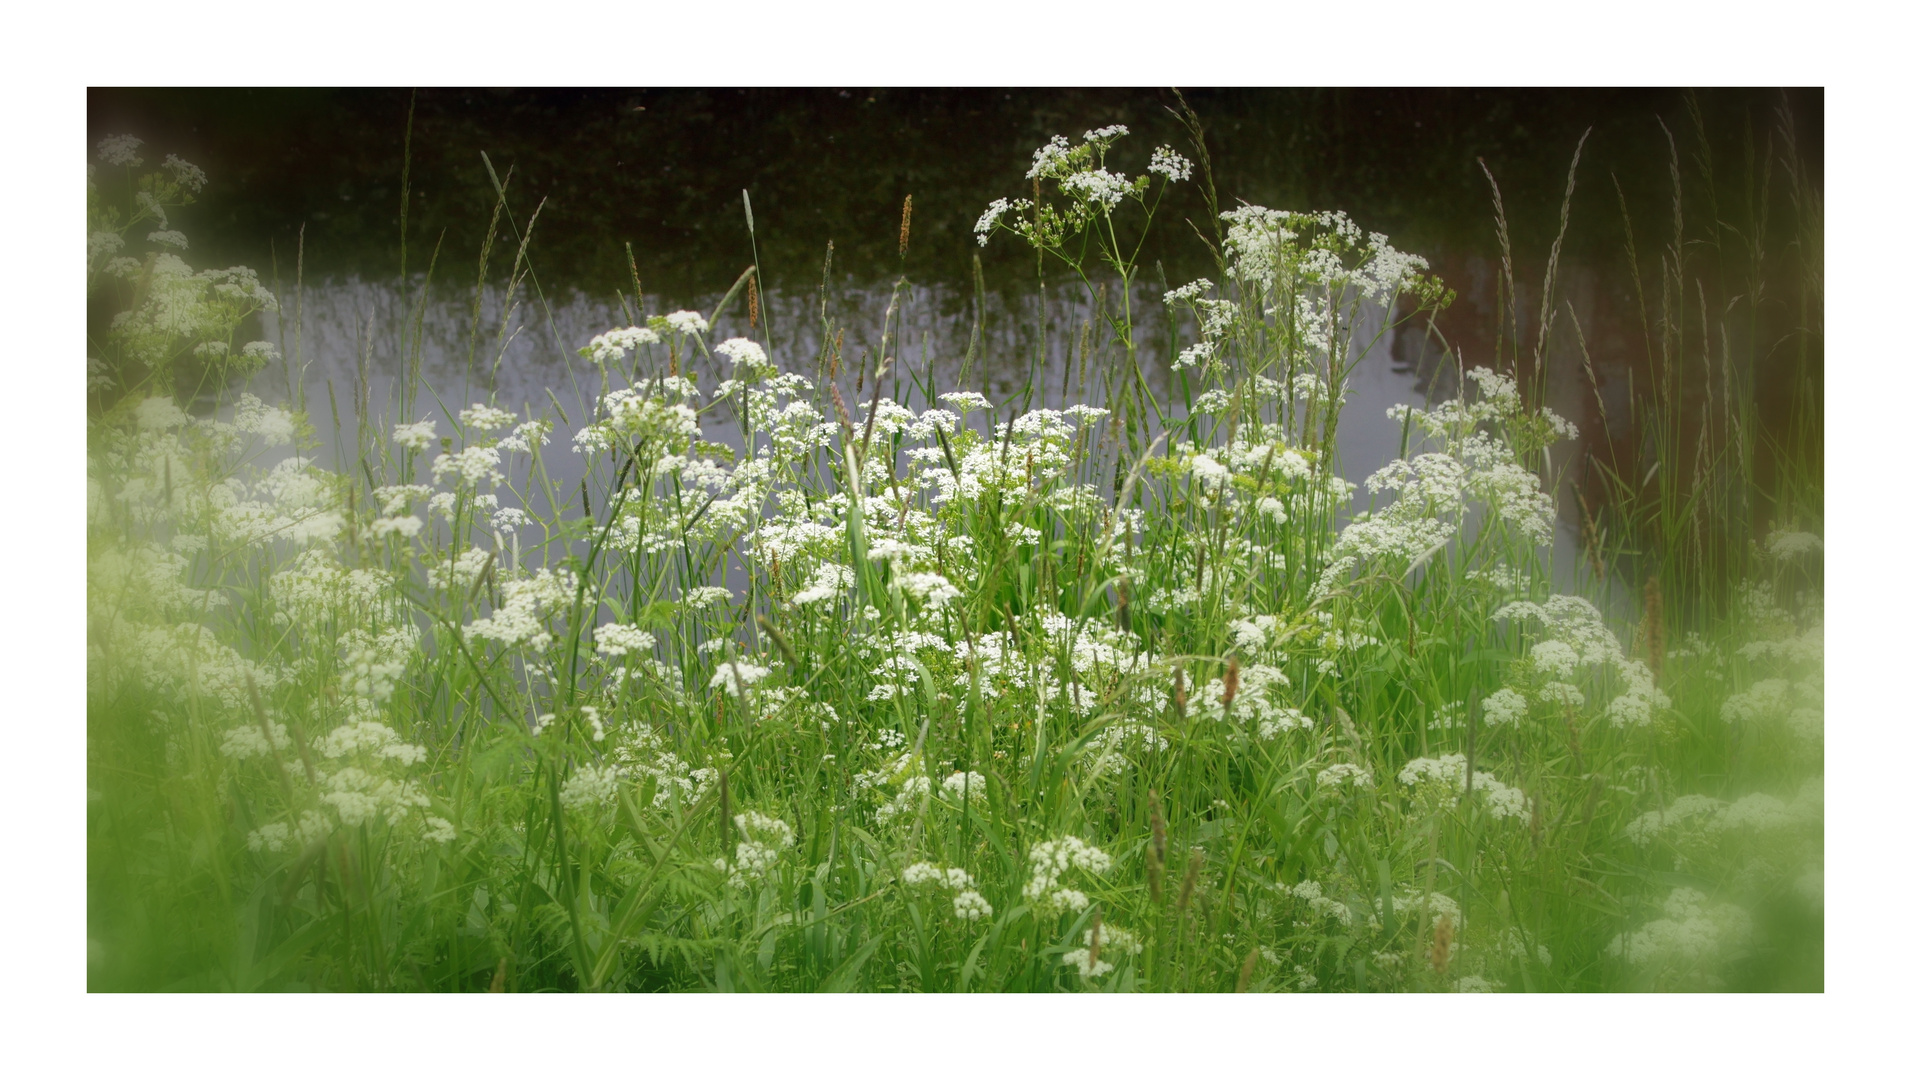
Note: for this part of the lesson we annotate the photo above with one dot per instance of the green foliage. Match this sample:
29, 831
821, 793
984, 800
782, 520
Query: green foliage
888, 698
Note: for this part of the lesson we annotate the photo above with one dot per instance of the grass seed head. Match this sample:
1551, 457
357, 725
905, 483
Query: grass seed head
1188, 880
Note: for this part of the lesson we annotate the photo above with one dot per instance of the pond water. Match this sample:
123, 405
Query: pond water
341, 198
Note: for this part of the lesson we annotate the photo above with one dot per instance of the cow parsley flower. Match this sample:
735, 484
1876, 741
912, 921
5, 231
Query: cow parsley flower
1318, 902
484, 418
415, 436
406, 526
972, 786
1765, 698
589, 787
985, 225
525, 434
159, 414
1506, 707
472, 465
922, 873
1187, 293
260, 353
1555, 658
970, 906
617, 639
121, 150
1785, 546
1283, 720
827, 582
1170, 164
747, 357
171, 238
1562, 693
686, 322
1441, 781
1104, 940
613, 345
734, 678
1351, 775
191, 178
1050, 859
765, 838
932, 589
1099, 186
268, 837
1757, 812
1686, 813
1048, 161
704, 596
1195, 355
1695, 930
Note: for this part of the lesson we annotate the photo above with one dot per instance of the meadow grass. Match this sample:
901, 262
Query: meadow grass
907, 689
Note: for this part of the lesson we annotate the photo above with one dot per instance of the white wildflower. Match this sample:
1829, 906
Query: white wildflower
415, 436
484, 418
618, 639
686, 322
1506, 707
734, 678
1170, 164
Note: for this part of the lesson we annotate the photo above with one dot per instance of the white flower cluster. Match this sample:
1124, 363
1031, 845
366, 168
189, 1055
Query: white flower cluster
471, 466
747, 358
1102, 940
415, 436
912, 793
965, 787
1701, 817
617, 639
631, 416
121, 150
589, 787
827, 582
528, 602
1256, 703
1358, 776
1170, 165
1503, 708
1318, 903
613, 345
1099, 186
985, 225
525, 435
1049, 860
1441, 781
1787, 546
1694, 931
486, 418
969, 904
1280, 249
1636, 706
736, 677
685, 322
764, 840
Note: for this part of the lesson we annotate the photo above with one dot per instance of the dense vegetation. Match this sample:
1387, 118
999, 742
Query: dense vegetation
906, 688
